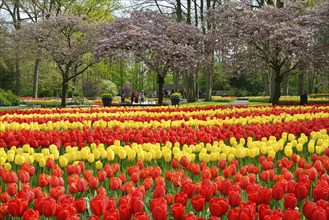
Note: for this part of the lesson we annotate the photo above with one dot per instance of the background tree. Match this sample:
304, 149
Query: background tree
161, 43
278, 37
68, 41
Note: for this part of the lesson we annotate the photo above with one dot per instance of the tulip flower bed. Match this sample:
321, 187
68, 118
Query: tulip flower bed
162, 163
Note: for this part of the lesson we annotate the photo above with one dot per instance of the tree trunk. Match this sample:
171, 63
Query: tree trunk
301, 88
190, 90
188, 16
196, 13
209, 85
179, 11
266, 82
36, 75
160, 88
197, 96
64, 92
277, 87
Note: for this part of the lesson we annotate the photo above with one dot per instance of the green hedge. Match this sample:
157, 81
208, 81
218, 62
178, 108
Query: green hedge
7, 98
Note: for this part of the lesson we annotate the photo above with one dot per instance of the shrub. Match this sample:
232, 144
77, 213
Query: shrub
7, 98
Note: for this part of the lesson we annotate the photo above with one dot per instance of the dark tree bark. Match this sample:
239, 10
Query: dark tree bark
161, 81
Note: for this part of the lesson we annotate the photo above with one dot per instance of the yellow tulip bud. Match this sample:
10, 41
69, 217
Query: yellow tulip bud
30, 159
96, 153
110, 154
98, 165
271, 153
91, 158
148, 156
10, 157
42, 162
26, 147
117, 143
167, 157
63, 161
7, 166
122, 154
288, 151
2, 161
299, 147
19, 160
230, 157
45, 151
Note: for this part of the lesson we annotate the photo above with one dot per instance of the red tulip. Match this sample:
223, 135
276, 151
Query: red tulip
3, 210
233, 214
12, 189
125, 212
23, 176
48, 207
264, 210
31, 214
177, 211
57, 191
277, 192
112, 214
319, 213
301, 191
137, 205
93, 182
290, 201
82, 185
5, 197
308, 208
93, 218
192, 217
181, 197
198, 203
206, 192
234, 198
99, 204
43, 180
160, 212
159, 191
141, 216
226, 187
218, 206
101, 175
17, 207
291, 214
80, 205
188, 188
115, 183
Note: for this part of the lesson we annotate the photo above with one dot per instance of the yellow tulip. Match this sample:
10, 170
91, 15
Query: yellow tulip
26, 147
319, 149
42, 162
214, 156
2, 161
91, 158
230, 157
288, 151
7, 166
117, 143
122, 154
299, 147
63, 161
96, 153
45, 151
148, 156
140, 156
98, 165
167, 157
19, 160
10, 157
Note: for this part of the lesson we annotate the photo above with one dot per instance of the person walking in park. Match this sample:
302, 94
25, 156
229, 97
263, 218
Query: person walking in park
142, 95
136, 97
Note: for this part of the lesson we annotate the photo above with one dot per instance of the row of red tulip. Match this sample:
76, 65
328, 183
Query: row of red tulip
44, 118
183, 134
232, 190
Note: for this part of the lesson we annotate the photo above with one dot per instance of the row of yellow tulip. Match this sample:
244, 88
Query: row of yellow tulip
66, 125
317, 143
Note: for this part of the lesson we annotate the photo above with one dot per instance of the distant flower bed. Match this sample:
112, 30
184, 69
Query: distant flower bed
224, 98
292, 100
